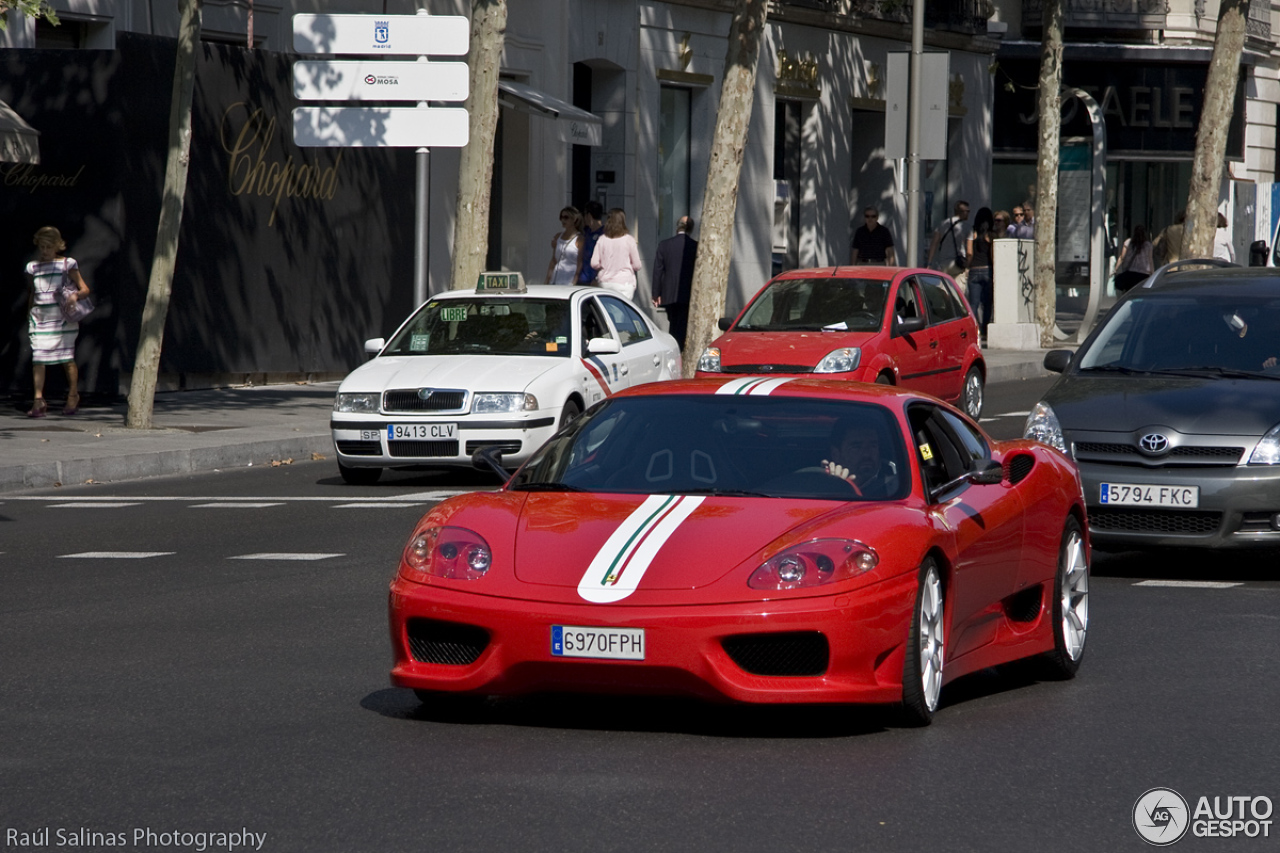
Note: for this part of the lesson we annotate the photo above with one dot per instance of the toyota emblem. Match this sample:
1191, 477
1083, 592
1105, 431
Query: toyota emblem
1154, 443
425, 393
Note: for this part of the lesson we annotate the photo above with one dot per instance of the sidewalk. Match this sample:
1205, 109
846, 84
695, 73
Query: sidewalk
220, 428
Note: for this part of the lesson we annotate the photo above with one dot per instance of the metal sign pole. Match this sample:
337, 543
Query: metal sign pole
913, 134
422, 217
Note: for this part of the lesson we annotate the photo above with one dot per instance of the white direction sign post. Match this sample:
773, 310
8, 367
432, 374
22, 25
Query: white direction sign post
380, 80
387, 35
380, 127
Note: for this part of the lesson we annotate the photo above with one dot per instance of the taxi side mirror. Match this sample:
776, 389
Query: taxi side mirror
601, 346
373, 346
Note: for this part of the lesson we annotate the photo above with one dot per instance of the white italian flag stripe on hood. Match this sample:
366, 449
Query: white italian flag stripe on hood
617, 568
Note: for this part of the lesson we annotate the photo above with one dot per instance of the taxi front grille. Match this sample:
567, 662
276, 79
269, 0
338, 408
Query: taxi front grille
422, 449
359, 448
408, 400
1136, 520
797, 653
504, 446
445, 642
1127, 454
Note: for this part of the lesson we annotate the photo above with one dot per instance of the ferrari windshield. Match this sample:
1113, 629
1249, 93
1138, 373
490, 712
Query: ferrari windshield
1205, 334
486, 326
777, 447
814, 304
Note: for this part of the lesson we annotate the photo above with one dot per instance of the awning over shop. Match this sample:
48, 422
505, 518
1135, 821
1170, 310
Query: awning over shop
19, 141
572, 123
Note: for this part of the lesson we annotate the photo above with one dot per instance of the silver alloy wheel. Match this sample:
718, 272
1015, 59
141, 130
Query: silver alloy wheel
931, 639
973, 394
1074, 595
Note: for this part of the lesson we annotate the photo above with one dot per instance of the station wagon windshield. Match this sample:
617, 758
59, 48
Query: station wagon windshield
486, 326
815, 304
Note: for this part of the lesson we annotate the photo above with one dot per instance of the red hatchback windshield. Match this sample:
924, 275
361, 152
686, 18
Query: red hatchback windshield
814, 304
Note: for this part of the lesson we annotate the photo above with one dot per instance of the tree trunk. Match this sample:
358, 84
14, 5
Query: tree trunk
1046, 202
471, 229
146, 363
720, 199
1211, 136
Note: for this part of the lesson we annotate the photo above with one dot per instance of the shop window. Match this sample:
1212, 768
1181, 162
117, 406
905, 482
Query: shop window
673, 159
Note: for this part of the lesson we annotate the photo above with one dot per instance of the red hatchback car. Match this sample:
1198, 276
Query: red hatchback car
889, 325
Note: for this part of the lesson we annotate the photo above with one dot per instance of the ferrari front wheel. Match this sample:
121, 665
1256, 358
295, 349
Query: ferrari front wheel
1070, 604
922, 672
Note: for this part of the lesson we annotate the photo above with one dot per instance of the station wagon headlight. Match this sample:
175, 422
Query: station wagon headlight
710, 360
497, 404
355, 402
1268, 450
1042, 426
843, 360
815, 563
446, 552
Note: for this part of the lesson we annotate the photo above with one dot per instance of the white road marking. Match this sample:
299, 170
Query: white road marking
293, 555
391, 504
116, 555
93, 504
1192, 584
236, 505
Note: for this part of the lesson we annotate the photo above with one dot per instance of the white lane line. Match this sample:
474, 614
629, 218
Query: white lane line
437, 495
293, 555
92, 504
390, 504
236, 505
115, 555
1192, 584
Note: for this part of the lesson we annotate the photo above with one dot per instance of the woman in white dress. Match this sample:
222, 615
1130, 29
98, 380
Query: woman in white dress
566, 249
53, 337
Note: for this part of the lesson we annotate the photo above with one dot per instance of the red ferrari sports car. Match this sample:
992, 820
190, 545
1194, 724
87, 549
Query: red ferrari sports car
753, 539
908, 327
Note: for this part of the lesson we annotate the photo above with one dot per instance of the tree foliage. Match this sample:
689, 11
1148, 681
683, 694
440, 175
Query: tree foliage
29, 9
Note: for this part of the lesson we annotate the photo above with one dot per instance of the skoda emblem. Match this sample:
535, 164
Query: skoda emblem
1153, 443
425, 393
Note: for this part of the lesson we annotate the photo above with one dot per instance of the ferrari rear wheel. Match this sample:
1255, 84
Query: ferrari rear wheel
971, 397
926, 646
359, 476
1070, 605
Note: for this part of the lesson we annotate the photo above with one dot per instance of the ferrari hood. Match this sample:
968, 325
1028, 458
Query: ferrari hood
796, 348
1191, 405
471, 372
605, 545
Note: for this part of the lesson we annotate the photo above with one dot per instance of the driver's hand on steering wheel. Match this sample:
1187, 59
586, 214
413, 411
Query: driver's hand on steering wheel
835, 469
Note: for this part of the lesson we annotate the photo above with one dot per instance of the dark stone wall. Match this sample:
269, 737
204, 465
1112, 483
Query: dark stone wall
289, 257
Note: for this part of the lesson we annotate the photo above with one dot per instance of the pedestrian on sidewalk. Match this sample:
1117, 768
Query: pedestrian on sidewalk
617, 257
1222, 247
673, 277
1136, 261
948, 243
1167, 247
872, 243
979, 253
566, 249
592, 231
56, 287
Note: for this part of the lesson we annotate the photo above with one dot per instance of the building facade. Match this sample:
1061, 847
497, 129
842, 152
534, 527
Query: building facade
286, 272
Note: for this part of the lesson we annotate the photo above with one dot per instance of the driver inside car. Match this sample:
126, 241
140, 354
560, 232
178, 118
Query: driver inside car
854, 456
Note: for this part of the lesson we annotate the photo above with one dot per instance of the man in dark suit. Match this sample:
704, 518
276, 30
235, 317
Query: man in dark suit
673, 277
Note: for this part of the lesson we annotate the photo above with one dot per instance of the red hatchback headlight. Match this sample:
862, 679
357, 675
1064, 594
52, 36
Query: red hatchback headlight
446, 552
821, 561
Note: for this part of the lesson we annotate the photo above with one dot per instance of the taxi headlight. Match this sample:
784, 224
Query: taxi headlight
494, 404
815, 563
345, 402
446, 552
710, 360
1268, 450
1042, 426
843, 360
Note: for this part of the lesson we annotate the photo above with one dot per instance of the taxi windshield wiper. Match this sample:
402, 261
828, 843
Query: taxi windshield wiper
545, 487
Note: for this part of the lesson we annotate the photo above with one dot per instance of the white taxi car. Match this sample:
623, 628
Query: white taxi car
502, 366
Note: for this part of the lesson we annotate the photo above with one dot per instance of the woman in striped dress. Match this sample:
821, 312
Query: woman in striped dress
53, 339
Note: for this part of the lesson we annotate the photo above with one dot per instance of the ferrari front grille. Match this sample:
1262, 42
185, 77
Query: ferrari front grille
410, 400
445, 642
422, 449
1134, 520
798, 653
359, 448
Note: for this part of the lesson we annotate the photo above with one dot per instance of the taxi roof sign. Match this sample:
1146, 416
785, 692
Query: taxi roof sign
500, 282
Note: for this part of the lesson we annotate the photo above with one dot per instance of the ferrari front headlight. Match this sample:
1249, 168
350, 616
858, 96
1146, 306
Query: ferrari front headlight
1268, 450
364, 402
446, 552
843, 360
495, 404
815, 563
710, 360
1042, 426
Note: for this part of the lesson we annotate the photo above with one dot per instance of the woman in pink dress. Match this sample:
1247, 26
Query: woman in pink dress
616, 256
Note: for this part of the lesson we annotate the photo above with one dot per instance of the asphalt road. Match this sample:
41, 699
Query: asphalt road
203, 678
